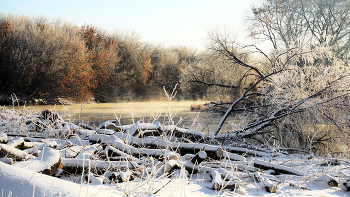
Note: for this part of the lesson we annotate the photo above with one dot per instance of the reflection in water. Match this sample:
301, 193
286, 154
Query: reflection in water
174, 113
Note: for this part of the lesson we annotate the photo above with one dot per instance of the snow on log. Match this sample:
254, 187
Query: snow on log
70, 152
170, 165
93, 179
277, 168
216, 180
48, 161
147, 133
105, 131
232, 156
84, 132
245, 151
77, 165
120, 176
88, 151
3, 138
329, 180
265, 182
346, 185
16, 142
194, 169
227, 176
51, 144
130, 129
199, 157
76, 140
137, 152
14, 153
109, 124
212, 151
192, 135
6, 160
110, 151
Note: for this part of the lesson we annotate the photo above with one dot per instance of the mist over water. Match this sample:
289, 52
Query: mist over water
166, 113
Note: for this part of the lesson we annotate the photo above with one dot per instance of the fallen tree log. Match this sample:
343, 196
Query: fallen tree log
170, 165
265, 182
48, 161
88, 151
110, 151
194, 136
277, 168
245, 151
212, 151
329, 180
218, 184
199, 157
16, 142
78, 165
136, 152
14, 153
120, 177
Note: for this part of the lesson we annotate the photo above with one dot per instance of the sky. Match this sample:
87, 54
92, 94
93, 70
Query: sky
165, 22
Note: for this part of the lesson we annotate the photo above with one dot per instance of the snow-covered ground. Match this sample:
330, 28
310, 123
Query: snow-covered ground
51, 157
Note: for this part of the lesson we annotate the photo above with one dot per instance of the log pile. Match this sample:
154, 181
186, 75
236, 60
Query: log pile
112, 154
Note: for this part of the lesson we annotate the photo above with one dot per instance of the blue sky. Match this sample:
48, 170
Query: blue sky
168, 22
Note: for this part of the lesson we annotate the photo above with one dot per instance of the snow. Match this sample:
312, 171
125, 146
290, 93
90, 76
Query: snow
142, 171
21, 182
47, 158
3, 137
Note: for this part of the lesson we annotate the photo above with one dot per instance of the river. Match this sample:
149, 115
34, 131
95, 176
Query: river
166, 113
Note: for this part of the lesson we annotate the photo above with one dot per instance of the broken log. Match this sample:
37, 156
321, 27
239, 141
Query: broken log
170, 165
14, 153
277, 168
265, 182
16, 142
3, 138
219, 183
199, 157
216, 180
120, 177
47, 162
94, 179
329, 180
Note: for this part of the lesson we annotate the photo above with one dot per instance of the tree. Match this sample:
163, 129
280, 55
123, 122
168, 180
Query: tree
302, 95
321, 22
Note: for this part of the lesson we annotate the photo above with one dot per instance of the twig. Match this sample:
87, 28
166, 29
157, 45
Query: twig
164, 185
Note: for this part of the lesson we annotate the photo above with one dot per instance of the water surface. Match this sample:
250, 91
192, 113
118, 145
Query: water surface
128, 113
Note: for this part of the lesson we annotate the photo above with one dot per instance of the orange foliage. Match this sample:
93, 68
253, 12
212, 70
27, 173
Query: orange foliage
101, 52
147, 68
5, 29
77, 80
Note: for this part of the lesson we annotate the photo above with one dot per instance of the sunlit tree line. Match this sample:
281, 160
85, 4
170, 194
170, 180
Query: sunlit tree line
52, 59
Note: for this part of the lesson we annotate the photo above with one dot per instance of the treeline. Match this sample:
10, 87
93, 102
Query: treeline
54, 59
